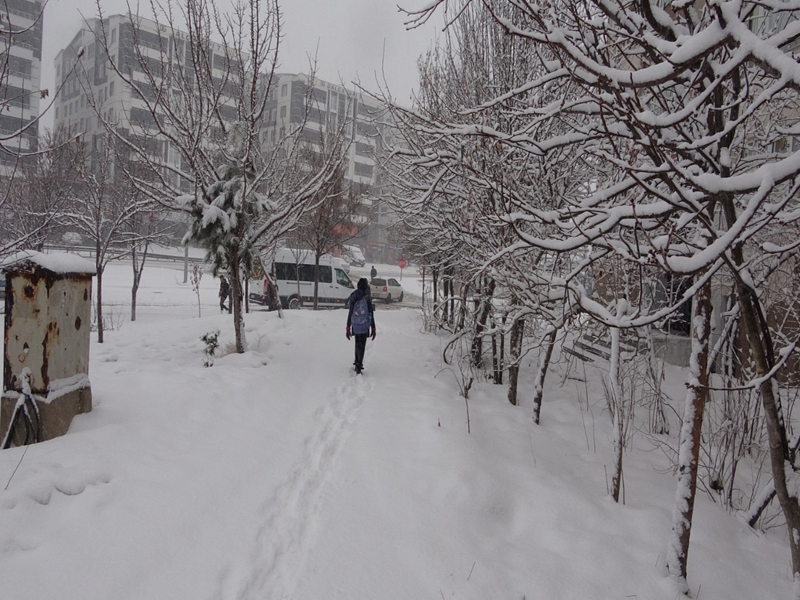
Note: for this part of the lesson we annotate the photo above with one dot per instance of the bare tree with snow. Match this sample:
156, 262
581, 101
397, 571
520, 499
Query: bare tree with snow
682, 111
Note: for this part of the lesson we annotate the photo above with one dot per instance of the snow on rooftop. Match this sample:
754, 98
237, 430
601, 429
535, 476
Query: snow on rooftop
57, 262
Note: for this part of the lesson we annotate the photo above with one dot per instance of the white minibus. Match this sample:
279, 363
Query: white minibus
293, 270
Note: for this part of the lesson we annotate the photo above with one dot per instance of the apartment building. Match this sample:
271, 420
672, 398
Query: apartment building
21, 57
322, 108
91, 86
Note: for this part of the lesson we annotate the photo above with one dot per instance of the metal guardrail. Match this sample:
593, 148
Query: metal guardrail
88, 251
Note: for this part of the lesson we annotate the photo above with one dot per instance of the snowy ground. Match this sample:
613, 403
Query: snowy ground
279, 474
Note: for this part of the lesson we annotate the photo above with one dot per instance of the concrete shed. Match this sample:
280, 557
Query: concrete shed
47, 327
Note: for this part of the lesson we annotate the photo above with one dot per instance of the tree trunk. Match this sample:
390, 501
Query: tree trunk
544, 364
445, 296
452, 295
99, 304
235, 301
503, 346
436, 296
689, 442
462, 314
515, 346
780, 453
138, 269
135, 286
316, 281
480, 326
423, 290
495, 357
616, 412
247, 295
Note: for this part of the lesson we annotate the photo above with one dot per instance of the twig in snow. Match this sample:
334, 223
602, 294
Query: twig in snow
532, 454
470, 571
17, 467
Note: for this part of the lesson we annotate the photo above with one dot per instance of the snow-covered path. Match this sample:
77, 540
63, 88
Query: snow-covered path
287, 522
278, 474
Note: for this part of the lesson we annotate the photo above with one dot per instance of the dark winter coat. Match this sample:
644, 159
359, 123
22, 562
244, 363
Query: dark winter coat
224, 289
351, 302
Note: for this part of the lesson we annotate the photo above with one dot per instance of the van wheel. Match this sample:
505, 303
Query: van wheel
388, 299
400, 299
294, 303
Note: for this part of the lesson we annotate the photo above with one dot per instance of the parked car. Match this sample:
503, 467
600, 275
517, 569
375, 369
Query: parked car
344, 265
386, 289
354, 256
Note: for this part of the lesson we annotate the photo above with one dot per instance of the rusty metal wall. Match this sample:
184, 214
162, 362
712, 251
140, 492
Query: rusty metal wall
47, 323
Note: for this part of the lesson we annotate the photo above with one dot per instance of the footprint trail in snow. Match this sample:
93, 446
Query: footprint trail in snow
287, 532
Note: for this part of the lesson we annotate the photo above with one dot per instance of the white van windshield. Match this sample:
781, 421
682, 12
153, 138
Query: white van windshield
343, 279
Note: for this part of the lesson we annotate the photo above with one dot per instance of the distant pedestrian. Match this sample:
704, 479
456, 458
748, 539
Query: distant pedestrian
361, 317
224, 293
373, 273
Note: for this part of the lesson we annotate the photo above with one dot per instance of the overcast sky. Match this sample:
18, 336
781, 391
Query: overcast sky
354, 38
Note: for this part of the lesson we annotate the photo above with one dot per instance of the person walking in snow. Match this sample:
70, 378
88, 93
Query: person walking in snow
373, 272
224, 293
360, 320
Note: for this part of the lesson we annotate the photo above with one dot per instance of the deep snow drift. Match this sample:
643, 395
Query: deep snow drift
279, 474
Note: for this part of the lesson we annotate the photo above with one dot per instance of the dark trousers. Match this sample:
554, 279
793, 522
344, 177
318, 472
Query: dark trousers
361, 346
222, 303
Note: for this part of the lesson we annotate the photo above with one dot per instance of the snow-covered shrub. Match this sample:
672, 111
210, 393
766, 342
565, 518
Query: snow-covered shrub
211, 340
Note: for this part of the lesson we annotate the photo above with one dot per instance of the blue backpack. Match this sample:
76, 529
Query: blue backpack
360, 320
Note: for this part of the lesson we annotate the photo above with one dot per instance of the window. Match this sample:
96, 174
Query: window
363, 149
363, 170
283, 111
312, 136
306, 273
284, 88
111, 89
343, 279
314, 115
56, 112
367, 129
287, 271
113, 35
325, 274
393, 282
17, 65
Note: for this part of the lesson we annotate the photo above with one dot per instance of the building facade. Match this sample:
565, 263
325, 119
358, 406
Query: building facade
21, 79
95, 96
322, 108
